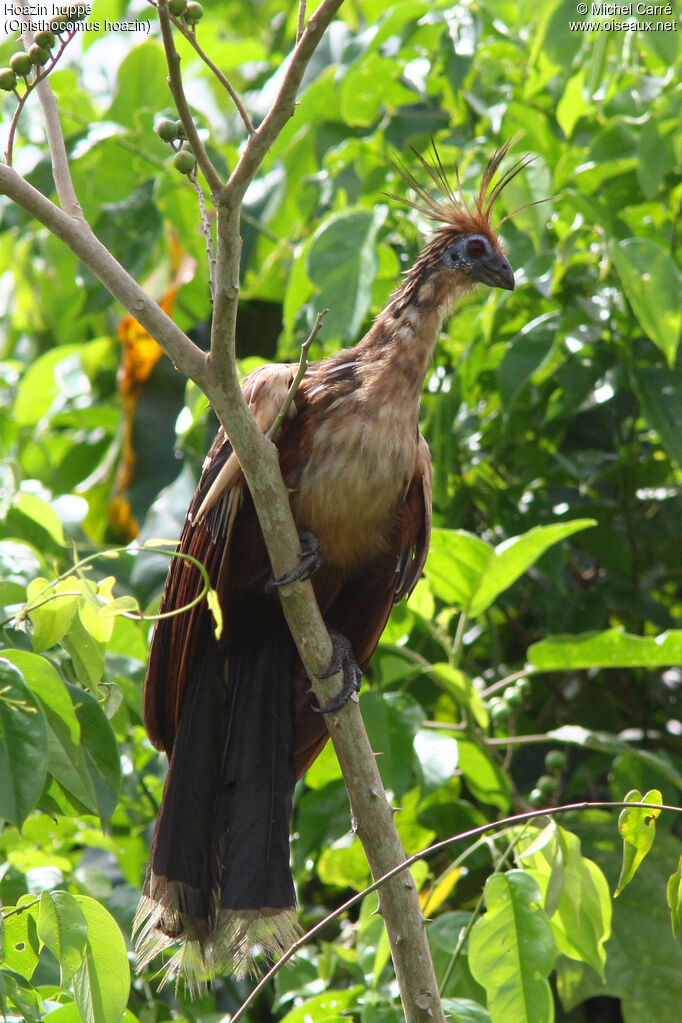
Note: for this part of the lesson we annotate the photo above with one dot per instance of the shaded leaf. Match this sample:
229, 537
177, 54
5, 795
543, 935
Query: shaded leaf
23, 746
651, 282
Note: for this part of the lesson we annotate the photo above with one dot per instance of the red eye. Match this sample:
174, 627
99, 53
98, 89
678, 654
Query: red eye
476, 248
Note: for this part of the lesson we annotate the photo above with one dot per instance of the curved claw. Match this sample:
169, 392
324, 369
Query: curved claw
308, 564
343, 659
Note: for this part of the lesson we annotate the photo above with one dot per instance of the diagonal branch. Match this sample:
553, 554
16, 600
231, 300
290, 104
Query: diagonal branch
77, 235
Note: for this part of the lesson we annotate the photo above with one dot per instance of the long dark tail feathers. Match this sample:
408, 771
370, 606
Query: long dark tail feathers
234, 945
219, 892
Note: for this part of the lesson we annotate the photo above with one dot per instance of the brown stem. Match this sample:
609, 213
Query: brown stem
300, 373
226, 84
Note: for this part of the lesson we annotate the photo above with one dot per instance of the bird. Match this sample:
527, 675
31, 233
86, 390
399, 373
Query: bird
234, 712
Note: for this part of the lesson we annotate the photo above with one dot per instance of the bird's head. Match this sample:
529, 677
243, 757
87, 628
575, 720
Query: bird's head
465, 250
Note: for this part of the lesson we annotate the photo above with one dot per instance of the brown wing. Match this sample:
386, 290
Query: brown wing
205, 536
360, 607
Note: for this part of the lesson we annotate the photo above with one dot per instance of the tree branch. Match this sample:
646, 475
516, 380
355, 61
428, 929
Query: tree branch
215, 182
77, 235
283, 107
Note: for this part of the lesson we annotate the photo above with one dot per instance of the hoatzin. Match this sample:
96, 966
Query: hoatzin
236, 716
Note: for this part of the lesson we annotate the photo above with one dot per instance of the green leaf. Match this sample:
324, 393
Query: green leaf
38, 387
62, 927
392, 721
65, 756
613, 648
514, 556
23, 746
341, 263
580, 909
330, 1007
100, 750
674, 896
101, 984
21, 938
140, 84
54, 610
462, 690
637, 828
651, 282
511, 950
659, 391
39, 511
463, 1010
86, 652
16, 994
484, 777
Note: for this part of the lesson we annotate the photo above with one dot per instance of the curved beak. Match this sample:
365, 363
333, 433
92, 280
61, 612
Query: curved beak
496, 272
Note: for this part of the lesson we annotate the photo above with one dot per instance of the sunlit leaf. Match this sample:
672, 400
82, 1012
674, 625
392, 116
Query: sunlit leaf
637, 828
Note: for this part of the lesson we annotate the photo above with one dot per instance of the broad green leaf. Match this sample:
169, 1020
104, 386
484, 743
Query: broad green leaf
579, 907
101, 984
23, 746
38, 387
674, 896
455, 565
17, 994
514, 556
462, 689
512, 951
437, 754
613, 648
637, 828
605, 742
33, 507
330, 1007
65, 756
573, 105
63, 928
392, 721
21, 937
344, 864
484, 777
470, 574
87, 653
463, 1010
651, 282
54, 609
100, 750
361, 101
642, 957
341, 263
660, 395
141, 84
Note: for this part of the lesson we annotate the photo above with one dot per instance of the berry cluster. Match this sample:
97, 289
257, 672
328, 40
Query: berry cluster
172, 132
188, 10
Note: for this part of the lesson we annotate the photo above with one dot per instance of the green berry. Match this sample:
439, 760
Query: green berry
547, 783
193, 12
500, 713
166, 130
513, 696
38, 55
176, 7
21, 63
537, 798
525, 685
187, 147
45, 39
183, 161
8, 79
556, 760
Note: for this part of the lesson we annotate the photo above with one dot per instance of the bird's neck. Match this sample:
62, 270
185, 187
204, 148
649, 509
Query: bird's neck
394, 355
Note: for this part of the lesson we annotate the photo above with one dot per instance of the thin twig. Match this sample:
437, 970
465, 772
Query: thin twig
226, 84
300, 27
206, 231
504, 682
517, 818
214, 180
300, 373
283, 107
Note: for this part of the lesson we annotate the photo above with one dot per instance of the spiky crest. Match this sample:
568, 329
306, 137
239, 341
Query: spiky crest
452, 209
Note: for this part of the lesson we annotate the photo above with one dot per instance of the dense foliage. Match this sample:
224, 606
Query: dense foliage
537, 662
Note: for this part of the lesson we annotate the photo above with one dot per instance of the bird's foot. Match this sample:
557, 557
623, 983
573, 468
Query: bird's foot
343, 659
308, 564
